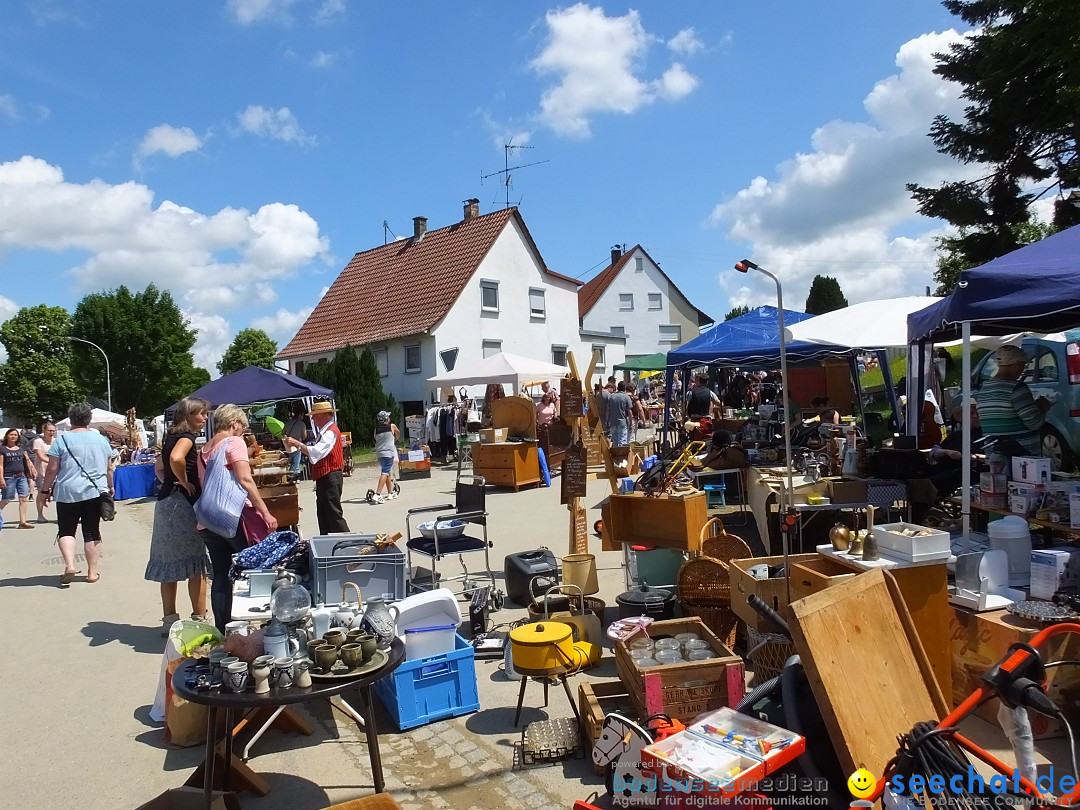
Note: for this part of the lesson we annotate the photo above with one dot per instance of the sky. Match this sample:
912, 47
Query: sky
239, 152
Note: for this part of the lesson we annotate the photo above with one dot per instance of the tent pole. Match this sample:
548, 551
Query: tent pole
853, 366
890, 387
965, 440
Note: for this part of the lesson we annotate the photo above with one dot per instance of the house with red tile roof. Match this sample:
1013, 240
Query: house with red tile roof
449, 296
633, 294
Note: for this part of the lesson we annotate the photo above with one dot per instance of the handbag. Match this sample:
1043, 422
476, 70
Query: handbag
222, 500
107, 504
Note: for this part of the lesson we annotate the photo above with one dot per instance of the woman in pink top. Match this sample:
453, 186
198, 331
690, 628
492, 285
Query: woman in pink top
546, 409
229, 425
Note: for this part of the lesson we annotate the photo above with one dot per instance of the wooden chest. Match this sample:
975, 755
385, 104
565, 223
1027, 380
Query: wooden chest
507, 464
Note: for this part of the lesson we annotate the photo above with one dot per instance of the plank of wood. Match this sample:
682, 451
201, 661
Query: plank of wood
862, 659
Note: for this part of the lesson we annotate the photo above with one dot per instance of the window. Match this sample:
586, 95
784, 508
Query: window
671, 334
491, 347
656, 301
299, 368
639, 264
537, 306
558, 355
412, 359
489, 296
1046, 367
449, 358
601, 357
382, 361
626, 302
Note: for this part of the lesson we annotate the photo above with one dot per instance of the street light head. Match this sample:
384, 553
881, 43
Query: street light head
745, 266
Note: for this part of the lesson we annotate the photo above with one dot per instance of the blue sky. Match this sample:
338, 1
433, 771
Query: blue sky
238, 152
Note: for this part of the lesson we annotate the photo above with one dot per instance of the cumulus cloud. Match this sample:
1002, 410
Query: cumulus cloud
279, 125
686, 42
7, 309
8, 107
168, 140
597, 60
247, 12
214, 336
283, 324
841, 208
329, 10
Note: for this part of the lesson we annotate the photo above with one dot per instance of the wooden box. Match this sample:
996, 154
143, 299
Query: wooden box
507, 464
685, 690
816, 575
980, 640
591, 697
283, 502
847, 490
668, 521
772, 591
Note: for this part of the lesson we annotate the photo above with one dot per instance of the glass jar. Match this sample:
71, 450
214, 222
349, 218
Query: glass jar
682, 638
642, 644
669, 657
695, 644
646, 663
667, 644
701, 655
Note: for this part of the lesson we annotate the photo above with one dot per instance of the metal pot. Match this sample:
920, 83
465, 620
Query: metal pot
642, 600
543, 649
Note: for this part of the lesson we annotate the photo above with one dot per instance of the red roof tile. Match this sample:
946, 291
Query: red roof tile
402, 288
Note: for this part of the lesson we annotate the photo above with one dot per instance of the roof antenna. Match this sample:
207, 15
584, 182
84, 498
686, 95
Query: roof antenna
385, 230
507, 168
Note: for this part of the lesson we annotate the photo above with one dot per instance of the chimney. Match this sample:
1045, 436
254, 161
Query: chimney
616, 253
472, 209
419, 227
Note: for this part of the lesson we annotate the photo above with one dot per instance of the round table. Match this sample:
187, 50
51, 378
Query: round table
231, 702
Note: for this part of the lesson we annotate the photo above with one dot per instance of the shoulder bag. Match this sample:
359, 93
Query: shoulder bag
108, 505
222, 500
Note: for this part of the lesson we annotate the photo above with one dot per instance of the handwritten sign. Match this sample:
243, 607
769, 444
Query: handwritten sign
571, 403
579, 530
416, 455
575, 473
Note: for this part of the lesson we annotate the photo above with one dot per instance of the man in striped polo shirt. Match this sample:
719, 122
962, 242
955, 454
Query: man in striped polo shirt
1006, 408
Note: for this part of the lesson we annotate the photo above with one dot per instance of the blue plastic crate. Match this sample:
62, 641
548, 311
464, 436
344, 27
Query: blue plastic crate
420, 692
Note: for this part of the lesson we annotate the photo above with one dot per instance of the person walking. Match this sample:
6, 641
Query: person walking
297, 428
40, 457
177, 551
386, 437
327, 459
80, 472
618, 411
15, 475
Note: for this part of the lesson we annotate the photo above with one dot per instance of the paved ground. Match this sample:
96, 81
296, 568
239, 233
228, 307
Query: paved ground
84, 663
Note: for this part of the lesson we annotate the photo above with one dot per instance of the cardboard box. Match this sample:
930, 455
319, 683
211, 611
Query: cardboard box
772, 591
1057, 495
1053, 569
1031, 469
1025, 499
492, 435
190, 798
994, 484
847, 490
980, 640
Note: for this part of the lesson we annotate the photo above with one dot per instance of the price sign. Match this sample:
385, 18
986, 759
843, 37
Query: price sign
570, 399
579, 531
575, 473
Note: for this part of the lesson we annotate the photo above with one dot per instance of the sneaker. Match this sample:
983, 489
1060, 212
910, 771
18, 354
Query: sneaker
391, 496
167, 623
378, 499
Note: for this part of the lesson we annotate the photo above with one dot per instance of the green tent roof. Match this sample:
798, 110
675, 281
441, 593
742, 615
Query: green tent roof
648, 362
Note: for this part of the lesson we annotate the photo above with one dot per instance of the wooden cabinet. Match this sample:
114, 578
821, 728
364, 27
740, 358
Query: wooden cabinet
668, 521
507, 464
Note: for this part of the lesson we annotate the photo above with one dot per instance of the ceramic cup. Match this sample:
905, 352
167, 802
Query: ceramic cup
353, 635
283, 673
237, 628
368, 644
236, 675
228, 659
335, 637
325, 657
313, 645
260, 673
216, 655
352, 655
263, 660
303, 673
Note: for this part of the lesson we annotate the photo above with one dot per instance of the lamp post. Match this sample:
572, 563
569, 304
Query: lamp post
108, 374
788, 500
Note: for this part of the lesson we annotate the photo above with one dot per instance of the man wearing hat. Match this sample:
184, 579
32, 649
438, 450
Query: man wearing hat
327, 460
1006, 408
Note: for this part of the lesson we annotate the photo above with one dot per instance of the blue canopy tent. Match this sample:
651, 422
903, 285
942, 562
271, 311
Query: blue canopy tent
1032, 289
254, 385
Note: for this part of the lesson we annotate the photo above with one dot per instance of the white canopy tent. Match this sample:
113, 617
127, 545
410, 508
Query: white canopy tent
499, 368
101, 417
869, 325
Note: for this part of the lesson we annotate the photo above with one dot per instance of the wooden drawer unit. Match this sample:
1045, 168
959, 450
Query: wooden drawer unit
507, 464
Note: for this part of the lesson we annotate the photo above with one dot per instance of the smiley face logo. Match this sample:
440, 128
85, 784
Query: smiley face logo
861, 783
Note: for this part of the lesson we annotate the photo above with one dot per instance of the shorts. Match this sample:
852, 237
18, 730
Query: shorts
17, 486
386, 464
88, 513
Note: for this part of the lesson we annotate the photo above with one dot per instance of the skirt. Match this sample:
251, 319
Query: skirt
177, 552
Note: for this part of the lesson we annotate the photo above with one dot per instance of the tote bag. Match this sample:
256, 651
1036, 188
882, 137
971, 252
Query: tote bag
222, 499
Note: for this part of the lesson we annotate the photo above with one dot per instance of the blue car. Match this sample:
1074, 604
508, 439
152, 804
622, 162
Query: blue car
1053, 373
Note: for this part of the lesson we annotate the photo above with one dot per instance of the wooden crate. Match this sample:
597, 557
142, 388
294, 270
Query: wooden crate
283, 502
772, 591
686, 690
668, 521
592, 695
811, 576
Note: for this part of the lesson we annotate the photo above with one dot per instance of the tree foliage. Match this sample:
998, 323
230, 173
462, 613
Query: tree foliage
824, 296
36, 380
148, 342
354, 378
1020, 73
250, 347
735, 312
952, 258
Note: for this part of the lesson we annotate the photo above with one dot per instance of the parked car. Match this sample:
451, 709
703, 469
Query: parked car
1054, 373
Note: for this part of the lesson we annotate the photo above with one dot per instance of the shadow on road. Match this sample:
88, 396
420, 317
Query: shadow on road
140, 639
41, 581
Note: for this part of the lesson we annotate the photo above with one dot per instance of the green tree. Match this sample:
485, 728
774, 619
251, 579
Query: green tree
148, 341
953, 259
735, 312
345, 373
824, 296
36, 380
1020, 73
250, 347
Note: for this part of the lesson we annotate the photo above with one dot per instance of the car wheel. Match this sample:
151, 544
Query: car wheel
1055, 449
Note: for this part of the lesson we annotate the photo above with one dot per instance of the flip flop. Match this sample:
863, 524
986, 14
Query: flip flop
95, 579
26, 526
66, 578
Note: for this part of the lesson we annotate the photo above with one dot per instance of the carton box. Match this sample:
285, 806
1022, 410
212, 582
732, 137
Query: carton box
1031, 469
1025, 499
993, 484
1053, 569
772, 591
492, 435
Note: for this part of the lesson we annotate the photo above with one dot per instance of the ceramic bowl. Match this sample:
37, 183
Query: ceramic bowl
448, 529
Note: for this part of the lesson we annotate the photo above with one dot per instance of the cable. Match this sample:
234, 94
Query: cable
1072, 743
1068, 662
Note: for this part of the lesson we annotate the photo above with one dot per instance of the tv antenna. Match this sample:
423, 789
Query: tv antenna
385, 229
507, 168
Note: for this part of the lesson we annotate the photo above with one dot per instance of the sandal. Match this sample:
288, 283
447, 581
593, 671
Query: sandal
66, 578
95, 579
26, 525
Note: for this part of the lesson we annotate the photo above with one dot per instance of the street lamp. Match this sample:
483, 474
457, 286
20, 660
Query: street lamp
745, 266
108, 375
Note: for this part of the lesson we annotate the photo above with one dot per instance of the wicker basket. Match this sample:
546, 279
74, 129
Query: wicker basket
768, 652
719, 618
718, 544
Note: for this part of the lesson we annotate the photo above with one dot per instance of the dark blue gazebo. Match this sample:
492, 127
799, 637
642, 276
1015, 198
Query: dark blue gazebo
254, 385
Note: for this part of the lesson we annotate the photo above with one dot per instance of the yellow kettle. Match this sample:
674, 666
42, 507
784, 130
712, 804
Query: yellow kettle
544, 649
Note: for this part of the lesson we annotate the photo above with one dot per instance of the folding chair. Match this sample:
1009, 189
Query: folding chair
470, 494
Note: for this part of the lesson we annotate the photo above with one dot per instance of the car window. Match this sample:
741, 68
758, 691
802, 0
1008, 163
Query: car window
988, 370
1046, 366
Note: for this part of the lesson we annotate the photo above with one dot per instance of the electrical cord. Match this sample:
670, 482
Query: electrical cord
1068, 662
1072, 743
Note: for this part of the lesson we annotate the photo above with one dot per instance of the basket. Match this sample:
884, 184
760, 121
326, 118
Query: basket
592, 604
768, 652
718, 544
704, 581
718, 618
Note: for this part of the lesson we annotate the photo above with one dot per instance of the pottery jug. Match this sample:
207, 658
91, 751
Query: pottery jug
380, 620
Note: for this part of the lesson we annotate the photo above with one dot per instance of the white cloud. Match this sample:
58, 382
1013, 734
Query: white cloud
842, 209
686, 42
132, 242
8, 107
322, 59
283, 324
329, 10
168, 140
247, 12
7, 309
597, 60
215, 335
279, 124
